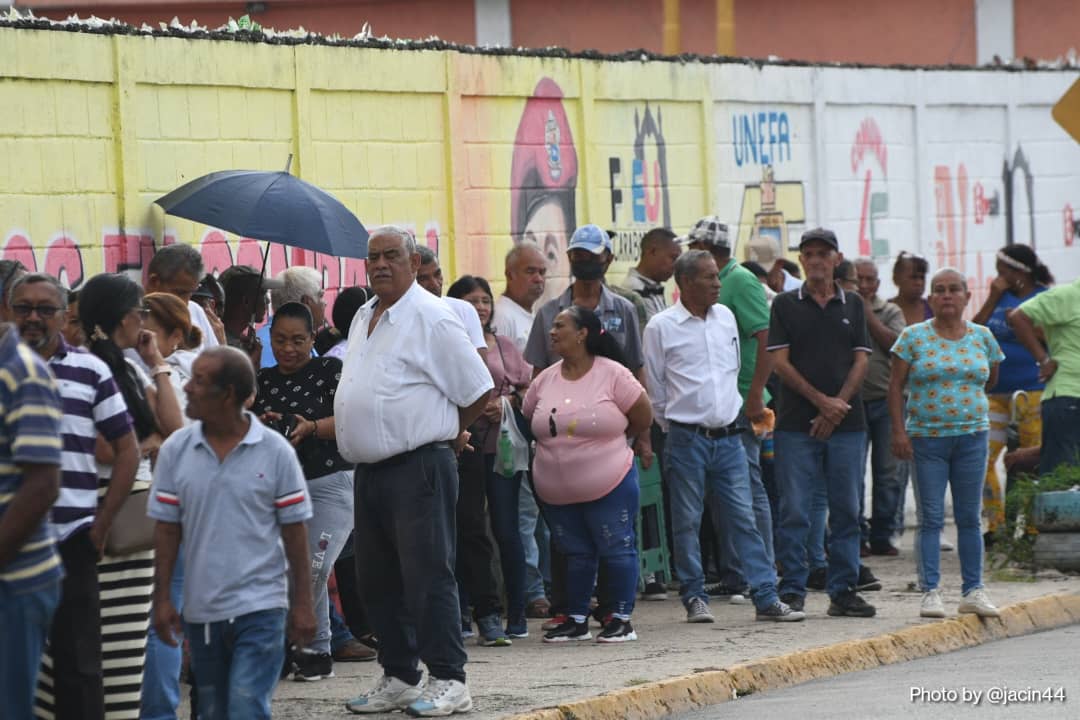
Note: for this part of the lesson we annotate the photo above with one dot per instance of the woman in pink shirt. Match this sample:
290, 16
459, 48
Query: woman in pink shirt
582, 409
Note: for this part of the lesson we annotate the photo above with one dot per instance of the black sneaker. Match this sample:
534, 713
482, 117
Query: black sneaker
616, 631
793, 601
849, 604
312, 666
867, 582
654, 591
567, 631
720, 590
780, 612
816, 579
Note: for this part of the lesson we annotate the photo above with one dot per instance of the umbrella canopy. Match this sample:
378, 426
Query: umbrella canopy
272, 206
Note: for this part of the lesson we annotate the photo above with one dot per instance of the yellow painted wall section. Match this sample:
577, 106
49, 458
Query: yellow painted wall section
473, 152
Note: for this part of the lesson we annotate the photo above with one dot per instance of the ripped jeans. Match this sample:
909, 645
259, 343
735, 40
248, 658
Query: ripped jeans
602, 529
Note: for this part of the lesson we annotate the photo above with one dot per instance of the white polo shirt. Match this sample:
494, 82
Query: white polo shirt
401, 387
692, 366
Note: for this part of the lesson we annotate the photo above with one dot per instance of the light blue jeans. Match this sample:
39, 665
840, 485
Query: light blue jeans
957, 462
328, 529
161, 674
819, 525
26, 619
730, 566
694, 465
535, 539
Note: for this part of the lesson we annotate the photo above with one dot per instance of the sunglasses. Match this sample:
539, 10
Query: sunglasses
43, 311
551, 423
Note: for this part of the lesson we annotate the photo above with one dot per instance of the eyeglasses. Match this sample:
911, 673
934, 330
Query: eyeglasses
551, 423
43, 311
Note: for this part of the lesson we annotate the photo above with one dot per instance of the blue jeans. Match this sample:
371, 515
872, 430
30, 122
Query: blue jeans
886, 488
732, 574
535, 541
958, 462
602, 529
503, 503
236, 664
799, 460
1060, 433
340, 634
161, 673
695, 465
27, 617
819, 525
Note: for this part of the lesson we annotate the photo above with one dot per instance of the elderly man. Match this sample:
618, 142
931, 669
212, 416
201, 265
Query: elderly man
30, 567
692, 363
526, 272
176, 269
885, 322
235, 492
93, 406
744, 295
818, 339
302, 284
412, 382
430, 277
1055, 311
659, 251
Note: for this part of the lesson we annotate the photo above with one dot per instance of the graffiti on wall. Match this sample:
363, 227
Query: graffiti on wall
1072, 226
761, 138
1019, 164
543, 177
870, 159
649, 204
773, 215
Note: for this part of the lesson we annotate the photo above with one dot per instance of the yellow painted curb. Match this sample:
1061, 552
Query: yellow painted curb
710, 687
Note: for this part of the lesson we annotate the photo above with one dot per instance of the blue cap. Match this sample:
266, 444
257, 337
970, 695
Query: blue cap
592, 238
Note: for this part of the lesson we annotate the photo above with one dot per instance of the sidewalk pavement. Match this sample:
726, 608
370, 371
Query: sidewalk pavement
531, 675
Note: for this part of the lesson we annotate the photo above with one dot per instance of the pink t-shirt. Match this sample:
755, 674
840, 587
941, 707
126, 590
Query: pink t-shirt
589, 455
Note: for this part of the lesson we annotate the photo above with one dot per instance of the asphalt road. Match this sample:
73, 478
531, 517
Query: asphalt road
998, 680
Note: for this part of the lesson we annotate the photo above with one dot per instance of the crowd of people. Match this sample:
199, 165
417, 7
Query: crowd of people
175, 470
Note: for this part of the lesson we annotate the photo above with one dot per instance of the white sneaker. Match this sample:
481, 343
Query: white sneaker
932, 605
978, 602
738, 599
389, 694
441, 697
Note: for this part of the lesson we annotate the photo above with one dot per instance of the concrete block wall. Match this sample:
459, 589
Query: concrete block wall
474, 152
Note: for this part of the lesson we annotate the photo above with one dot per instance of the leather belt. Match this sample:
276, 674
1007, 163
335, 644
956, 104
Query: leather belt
711, 433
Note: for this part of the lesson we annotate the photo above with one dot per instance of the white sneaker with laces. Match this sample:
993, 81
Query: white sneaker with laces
389, 694
441, 697
978, 602
932, 605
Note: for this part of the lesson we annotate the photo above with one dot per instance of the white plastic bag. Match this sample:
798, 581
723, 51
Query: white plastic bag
512, 449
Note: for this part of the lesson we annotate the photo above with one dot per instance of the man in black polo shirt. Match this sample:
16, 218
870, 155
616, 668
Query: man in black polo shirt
820, 349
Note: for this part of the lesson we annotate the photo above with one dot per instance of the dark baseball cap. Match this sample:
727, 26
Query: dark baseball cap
822, 235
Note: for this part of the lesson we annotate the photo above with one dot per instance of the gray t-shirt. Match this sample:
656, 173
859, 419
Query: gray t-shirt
231, 513
617, 316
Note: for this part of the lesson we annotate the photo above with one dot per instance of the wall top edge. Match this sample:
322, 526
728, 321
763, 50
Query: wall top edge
112, 28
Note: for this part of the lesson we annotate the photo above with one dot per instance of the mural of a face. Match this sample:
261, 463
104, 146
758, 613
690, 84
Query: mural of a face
543, 182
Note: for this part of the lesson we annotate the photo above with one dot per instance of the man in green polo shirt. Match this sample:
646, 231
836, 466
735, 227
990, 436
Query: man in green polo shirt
1057, 312
744, 295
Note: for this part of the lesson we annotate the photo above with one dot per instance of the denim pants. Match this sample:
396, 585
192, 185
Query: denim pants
819, 524
236, 664
535, 541
328, 529
958, 462
731, 568
799, 460
696, 465
602, 530
1060, 433
26, 618
886, 487
405, 549
161, 672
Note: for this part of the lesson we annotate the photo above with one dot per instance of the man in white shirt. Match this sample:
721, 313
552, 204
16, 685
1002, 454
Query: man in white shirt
430, 277
526, 272
692, 369
177, 269
411, 383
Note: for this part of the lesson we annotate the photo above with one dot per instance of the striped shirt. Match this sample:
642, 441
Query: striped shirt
92, 404
29, 435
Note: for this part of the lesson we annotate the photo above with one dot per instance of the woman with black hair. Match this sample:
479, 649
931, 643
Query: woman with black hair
111, 312
296, 398
584, 469
346, 304
482, 486
1020, 276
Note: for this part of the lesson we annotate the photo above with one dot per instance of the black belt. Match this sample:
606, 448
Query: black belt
402, 457
711, 433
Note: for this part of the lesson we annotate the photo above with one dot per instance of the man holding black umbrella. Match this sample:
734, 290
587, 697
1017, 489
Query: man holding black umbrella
245, 307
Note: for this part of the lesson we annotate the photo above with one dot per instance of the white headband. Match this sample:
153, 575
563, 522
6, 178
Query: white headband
1013, 262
